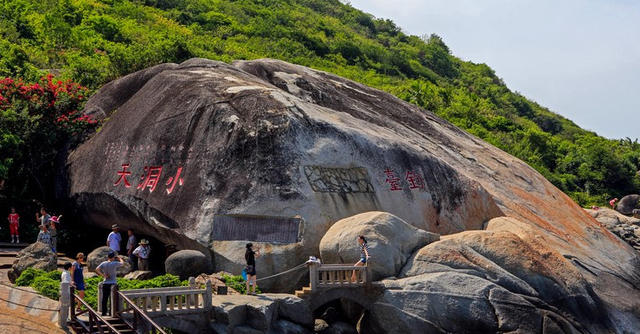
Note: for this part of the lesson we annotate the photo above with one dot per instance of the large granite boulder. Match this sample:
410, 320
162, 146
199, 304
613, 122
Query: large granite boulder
207, 156
391, 241
99, 255
186, 263
627, 204
264, 314
37, 255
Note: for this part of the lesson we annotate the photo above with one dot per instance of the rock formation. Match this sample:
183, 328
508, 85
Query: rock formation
627, 228
627, 204
99, 255
208, 156
391, 242
186, 263
37, 256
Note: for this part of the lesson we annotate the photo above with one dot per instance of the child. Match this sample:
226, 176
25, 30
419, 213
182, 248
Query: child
14, 224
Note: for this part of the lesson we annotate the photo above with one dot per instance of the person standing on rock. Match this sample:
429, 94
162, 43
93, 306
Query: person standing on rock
14, 224
364, 255
131, 246
77, 276
43, 217
44, 235
250, 255
53, 232
142, 252
613, 203
114, 238
107, 269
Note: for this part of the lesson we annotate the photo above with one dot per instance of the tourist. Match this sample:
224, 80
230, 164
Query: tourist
114, 238
66, 277
131, 245
44, 236
364, 255
77, 276
43, 217
250, 255
14, 224
53, 232
613, 203
142, 252
107, 270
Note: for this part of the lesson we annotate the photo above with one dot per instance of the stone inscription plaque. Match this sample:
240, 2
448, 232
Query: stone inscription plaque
338, 180
282, 230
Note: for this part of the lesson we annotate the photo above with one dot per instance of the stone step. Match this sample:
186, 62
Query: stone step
12, 245
300, 294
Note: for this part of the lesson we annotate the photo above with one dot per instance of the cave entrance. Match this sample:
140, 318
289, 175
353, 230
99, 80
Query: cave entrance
343, 315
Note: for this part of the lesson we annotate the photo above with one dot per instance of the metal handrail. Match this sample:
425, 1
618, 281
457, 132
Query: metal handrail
137, 312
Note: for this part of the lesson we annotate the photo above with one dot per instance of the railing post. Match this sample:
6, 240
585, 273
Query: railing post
72, 303
100, 297
115, 302
313, 276
208, 296
192, 286
63, 313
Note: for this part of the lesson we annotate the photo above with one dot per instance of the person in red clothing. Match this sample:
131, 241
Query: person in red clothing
14, 224
613, 203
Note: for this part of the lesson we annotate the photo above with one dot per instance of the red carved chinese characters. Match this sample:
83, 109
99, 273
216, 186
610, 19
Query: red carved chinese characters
173, 180
415, 180
150, 178
123, 176
392, 179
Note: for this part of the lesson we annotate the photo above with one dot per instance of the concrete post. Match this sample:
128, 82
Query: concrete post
63, 313
100, 297
114, 300
313, 276
192, 299
208, 296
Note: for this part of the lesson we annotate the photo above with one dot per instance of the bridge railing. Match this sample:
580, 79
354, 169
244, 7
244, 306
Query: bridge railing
324, 276
174, 300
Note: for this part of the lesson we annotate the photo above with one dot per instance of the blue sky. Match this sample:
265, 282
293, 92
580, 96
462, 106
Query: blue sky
580, 59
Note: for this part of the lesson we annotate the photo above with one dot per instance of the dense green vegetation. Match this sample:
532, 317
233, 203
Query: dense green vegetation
48, 284
94, 41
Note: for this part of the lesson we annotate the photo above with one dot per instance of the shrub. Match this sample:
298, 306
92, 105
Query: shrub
27, 276
237, 283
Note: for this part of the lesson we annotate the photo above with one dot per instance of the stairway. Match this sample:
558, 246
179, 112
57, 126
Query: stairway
117, 323
304, 292
8, 252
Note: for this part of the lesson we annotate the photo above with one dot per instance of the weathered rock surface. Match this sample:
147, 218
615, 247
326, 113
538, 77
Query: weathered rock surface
99, 255
263, 314
391, 242
627, 204
37, 256
186, 263
627, 228
282, 152
138, 274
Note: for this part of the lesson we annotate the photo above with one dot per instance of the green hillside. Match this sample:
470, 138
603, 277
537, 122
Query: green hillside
93, 42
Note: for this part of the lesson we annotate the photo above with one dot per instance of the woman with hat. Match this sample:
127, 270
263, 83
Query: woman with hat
142, 252
77, 276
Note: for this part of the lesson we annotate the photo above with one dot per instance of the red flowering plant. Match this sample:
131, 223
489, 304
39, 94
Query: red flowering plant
38, 120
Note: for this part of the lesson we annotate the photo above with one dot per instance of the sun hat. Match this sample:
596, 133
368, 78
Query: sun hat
114, 226
144, 242
80, 255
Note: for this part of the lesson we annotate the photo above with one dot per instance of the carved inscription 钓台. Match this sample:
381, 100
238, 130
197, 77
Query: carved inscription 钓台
256, 228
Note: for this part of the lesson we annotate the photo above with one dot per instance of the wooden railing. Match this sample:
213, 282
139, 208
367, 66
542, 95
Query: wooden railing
169, 301
95, 324
324, 276
138, 320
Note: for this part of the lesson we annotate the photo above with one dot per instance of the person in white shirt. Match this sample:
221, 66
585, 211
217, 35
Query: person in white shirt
142, 252
114, 238
66, 276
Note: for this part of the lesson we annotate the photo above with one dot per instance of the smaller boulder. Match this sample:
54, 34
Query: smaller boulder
286, 327
391, 242
186, 263
38, 256
99, 255
139, 275
627, 204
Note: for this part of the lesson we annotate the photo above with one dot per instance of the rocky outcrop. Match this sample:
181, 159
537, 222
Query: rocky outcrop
37, 256
269, 312
138, 275
186, 263
627, 204
391, 242
626, 228
208, 156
